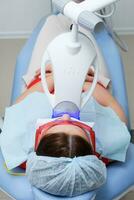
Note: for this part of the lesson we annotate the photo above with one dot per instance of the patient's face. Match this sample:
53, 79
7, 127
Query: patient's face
68, 129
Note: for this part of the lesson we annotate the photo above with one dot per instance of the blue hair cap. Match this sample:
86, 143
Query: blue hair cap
63, 176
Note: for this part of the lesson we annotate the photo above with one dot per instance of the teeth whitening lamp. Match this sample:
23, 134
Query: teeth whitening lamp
71, 55
70, 66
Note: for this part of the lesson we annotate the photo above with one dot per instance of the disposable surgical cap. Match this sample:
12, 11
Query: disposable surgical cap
64, 176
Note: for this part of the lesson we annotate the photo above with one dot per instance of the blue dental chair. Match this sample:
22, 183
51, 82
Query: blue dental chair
120, 175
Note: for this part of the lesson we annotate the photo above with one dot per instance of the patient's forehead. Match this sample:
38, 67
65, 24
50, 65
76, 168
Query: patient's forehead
68, 129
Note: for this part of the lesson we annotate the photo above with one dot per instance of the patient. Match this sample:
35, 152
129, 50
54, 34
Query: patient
64, 139
56, 140
64, 159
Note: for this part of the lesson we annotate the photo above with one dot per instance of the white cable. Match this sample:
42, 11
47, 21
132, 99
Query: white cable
109, 14
97, 65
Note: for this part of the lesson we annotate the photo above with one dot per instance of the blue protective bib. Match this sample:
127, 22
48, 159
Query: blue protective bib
18, 134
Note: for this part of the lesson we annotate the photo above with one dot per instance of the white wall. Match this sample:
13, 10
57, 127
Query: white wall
123, 20
19, 17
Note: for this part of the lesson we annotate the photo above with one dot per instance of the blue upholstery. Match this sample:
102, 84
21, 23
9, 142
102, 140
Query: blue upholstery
16, 186
120, 176
19, 188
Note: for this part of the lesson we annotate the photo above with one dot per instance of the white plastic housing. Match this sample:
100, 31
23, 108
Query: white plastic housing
73, 9
70, 64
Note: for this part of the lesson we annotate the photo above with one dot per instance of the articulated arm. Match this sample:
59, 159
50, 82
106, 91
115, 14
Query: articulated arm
72, 9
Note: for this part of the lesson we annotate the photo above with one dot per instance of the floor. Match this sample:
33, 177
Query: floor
3, 196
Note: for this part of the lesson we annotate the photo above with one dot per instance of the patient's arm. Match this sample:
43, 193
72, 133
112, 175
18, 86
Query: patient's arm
104, 97
37, 88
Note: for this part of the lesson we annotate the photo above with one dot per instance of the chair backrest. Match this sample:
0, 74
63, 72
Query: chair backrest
22, 62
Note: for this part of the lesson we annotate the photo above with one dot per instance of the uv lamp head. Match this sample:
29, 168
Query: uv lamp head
66, 107
70, 58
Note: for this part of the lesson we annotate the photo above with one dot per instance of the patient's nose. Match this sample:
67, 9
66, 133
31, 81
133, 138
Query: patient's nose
66, 117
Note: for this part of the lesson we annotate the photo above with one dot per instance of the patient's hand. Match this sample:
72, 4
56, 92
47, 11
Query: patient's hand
101, 94
48, 70
50, 82
88, 80
49, 78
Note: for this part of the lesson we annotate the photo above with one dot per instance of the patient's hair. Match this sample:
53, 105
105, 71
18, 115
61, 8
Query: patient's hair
63, 145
